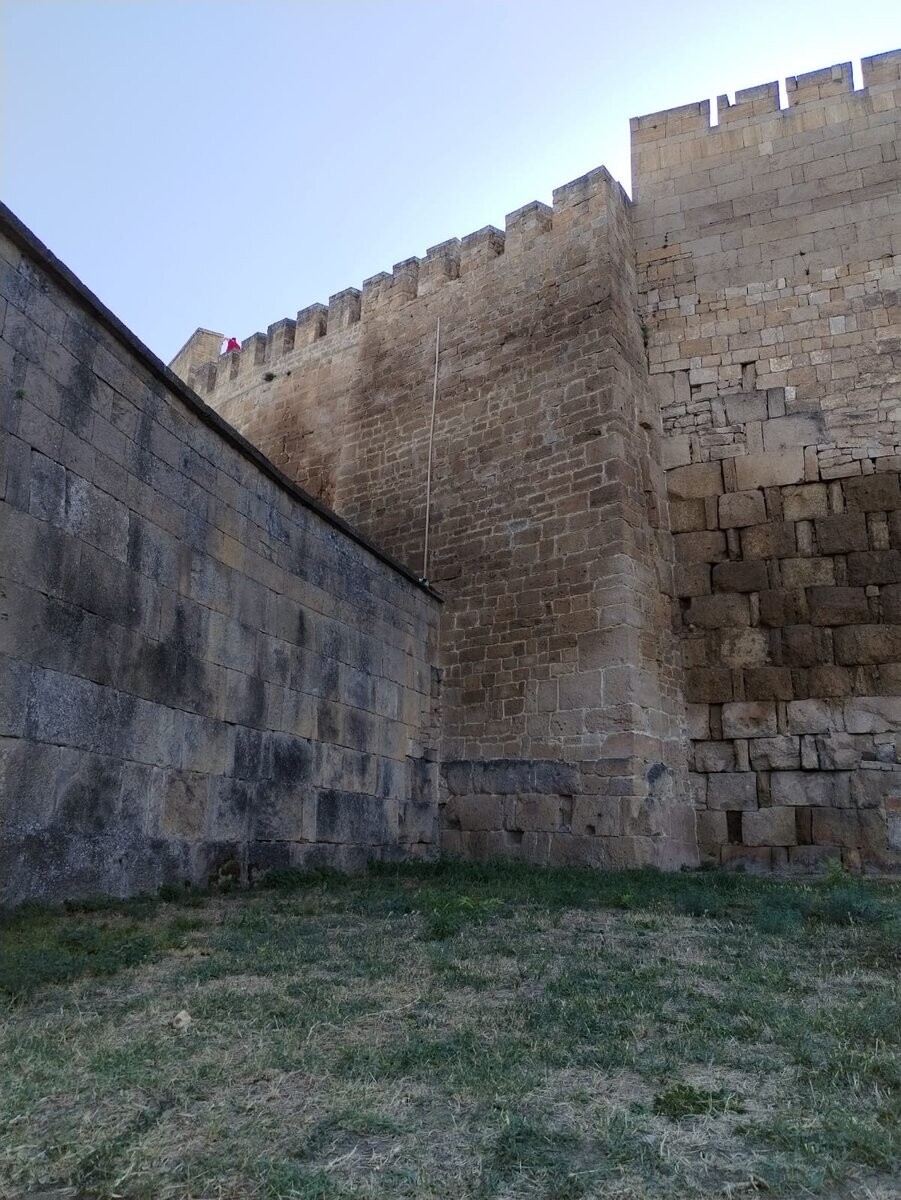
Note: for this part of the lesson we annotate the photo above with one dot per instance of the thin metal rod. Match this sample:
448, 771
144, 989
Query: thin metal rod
428, 480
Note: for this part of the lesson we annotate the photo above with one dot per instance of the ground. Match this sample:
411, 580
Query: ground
457, 1031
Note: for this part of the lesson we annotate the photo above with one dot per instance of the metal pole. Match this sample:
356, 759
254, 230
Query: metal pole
428, 482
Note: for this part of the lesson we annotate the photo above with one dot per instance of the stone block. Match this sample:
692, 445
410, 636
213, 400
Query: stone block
756, 859
849, 828
708, 685
839, 751
703, 547
872, 493
811, 789
837, 605
890, 598
874, 566
867, 644
737, 509
732, 791
872, 788
768, 683
775, 469
692, 579
712, 831
773, 540
812, 716
715, 612
806, 572
697, 717
781, 608
805, 502
873, 714
804, 646
769, 827
740, 577
185, 795
800, 429
842, 534
740, 648
749, 720
713, 756
687, 516
695, 481
781, 753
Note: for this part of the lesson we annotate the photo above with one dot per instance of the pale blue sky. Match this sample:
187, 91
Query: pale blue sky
198, 162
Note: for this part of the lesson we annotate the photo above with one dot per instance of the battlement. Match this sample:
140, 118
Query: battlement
674, 142
583, 201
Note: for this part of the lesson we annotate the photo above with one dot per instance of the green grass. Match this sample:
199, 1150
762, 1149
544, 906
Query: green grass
457, 1030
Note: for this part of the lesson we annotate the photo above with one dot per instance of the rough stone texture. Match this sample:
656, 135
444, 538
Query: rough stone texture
198, 666
549, 533
769, 253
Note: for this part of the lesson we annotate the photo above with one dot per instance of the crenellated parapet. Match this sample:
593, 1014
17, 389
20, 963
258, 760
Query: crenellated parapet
769, 192
458, 263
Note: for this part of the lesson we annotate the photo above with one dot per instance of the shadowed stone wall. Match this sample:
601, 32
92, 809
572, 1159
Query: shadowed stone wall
200, 668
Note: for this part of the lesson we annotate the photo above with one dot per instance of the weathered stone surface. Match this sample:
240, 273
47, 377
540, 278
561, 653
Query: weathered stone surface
740, 577
698, 480
769, 827
872, 714
769, 470
744, 720
842, 534
714, 756
821, 789
837, 605
811, 716
773, 540
781, 753
872, 493
714, 612
737, 509
732, 791
861, 644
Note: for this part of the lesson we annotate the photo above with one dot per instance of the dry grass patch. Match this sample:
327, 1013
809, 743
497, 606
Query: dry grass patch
458, 1031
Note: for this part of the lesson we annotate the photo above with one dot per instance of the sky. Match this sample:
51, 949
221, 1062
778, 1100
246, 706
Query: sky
224, 163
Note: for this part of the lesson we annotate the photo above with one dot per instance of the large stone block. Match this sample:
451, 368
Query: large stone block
781, 753
872, 714
800, 429
872, 493
811, 789
695, 481
873, 788
715, 612
740, 577
874, 566
867, 644
732, 791
812, 716
837, 605
773, 540
704, 547
769, 827
737, 509
842, 534
775, 469
805, 502
714, 756
849, 828
749, 720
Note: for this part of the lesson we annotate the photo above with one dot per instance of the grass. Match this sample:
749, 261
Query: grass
457, 1030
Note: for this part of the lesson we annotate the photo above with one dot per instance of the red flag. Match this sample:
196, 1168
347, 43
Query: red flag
232, 344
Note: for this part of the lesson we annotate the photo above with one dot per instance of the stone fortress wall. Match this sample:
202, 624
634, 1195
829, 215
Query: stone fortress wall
736, 324
562, 736
769, 268
202, 671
